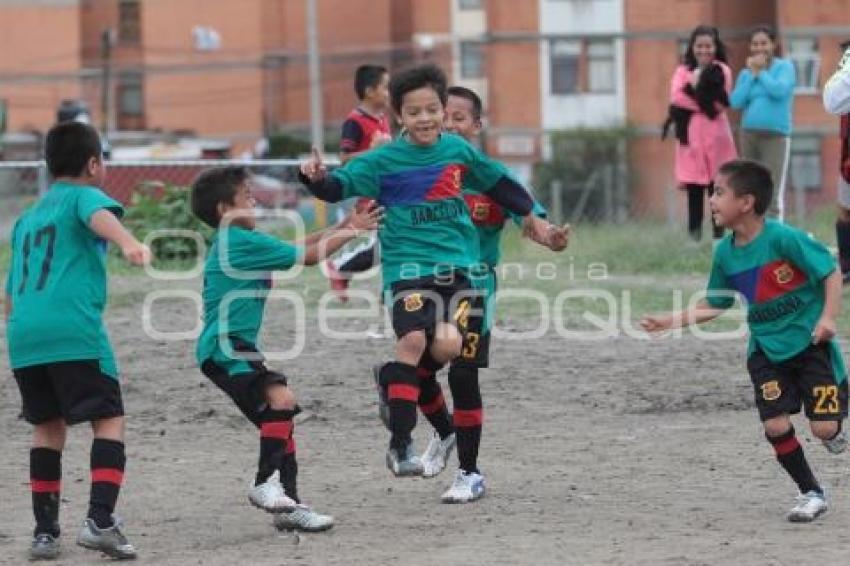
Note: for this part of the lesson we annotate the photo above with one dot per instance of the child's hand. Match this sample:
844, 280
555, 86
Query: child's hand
656, 322
537, 229
137, 253
824, 330
313, 168
559, 237
380, 139
366, 218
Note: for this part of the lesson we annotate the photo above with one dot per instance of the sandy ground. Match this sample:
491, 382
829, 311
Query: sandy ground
611, 452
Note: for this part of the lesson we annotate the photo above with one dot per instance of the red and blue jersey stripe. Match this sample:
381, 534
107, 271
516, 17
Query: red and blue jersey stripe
767, 282
421, 184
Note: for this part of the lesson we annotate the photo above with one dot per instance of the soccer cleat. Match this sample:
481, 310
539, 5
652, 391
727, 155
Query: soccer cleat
435, 456
269, 496
383, 402
468, 486
339, 284
403, 461
809, 506
302, 518
44, 547
837, 444
110, 541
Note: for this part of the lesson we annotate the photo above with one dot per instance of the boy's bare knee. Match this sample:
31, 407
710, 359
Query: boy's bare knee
281, 397
411, 346
111, 428
777, 426
447, 343
824, 429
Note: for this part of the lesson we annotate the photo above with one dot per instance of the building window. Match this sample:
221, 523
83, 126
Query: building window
582, 66
805, 166
131, 101
564, 63
471, 60
469, 4
803, 52
129, 27
600, 66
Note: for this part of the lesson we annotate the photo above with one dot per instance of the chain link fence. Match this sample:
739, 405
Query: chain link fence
275, 185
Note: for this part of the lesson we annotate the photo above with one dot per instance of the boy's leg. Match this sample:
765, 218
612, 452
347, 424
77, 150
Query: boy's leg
45, 484
41, 408
696, 210
107, 469
431, 401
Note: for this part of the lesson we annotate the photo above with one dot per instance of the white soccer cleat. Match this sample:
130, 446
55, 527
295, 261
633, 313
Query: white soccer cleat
809, 506
403, 462
836, 445
302, 518
270, 496
467, 487
436, 454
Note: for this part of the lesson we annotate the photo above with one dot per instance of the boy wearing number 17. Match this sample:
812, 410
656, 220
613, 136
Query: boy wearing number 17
58, 348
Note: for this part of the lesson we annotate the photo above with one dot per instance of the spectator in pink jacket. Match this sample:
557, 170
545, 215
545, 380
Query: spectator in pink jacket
699, 96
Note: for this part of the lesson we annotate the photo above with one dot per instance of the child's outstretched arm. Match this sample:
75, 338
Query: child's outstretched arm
323, 244
106, 225
314, 175
826, 326
701, 312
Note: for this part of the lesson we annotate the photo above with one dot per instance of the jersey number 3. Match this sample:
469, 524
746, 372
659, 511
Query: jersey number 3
43, 237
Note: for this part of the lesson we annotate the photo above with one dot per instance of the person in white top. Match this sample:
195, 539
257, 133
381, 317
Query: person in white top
836, 100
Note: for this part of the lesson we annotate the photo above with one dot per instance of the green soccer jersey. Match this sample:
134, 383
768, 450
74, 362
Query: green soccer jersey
237, 280
490, 219
57, 281
427, 229
781, 275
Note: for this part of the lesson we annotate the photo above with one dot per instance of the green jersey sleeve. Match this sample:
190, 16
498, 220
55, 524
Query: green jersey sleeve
359, 177
719, 294
536, 209
255, 251
91, 200
807, 253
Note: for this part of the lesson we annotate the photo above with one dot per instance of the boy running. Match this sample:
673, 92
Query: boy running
793, 294
58, 348
237, 280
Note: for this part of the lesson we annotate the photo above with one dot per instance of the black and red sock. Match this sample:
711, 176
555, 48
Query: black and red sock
289, 470
468, 414
275, 431
433, 404
46, 485
402, 396
107, 475
791, 457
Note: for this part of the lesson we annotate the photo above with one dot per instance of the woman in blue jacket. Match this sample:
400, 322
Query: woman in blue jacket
764, 92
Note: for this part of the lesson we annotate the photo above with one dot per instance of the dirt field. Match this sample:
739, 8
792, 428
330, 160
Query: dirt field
612, 452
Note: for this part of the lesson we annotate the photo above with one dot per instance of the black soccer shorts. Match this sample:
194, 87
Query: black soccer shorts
76, 391
807, 379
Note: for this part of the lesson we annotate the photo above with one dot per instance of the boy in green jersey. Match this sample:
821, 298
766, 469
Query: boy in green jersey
463, 426
58, 348
429, 246
793, 292
237, 282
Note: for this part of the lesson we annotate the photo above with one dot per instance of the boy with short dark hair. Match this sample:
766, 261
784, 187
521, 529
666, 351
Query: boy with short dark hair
429, 245
463, 427
793, 294
58, 347
237, 280
366, 127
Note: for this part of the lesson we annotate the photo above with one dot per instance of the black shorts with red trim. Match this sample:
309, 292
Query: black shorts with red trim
76, 391
807, 379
